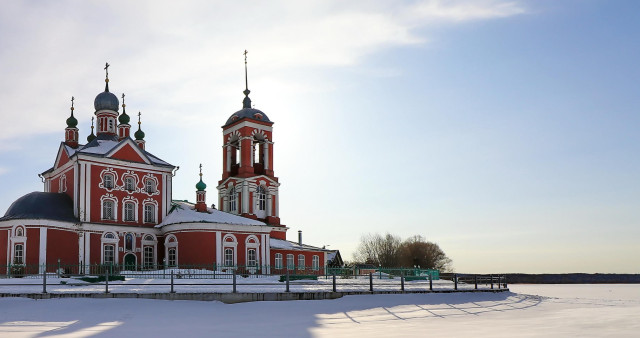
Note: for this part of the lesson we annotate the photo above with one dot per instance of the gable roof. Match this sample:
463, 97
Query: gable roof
184, 212
42, 205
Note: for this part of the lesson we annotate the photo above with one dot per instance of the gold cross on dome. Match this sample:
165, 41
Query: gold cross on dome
200, 169
72, 98
106, 69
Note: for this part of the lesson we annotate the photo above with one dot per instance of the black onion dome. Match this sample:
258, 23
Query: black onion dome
42, 205
250, 113
106, 100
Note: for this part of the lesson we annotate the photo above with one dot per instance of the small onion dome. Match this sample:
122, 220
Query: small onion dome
72, 122
91, 137
139, 134
201, 185
106, 100
124, 118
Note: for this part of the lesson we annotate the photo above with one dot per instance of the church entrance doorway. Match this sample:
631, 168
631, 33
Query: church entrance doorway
130, 262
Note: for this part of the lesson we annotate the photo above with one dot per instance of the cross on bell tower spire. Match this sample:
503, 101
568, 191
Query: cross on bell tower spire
106, 79
246, 103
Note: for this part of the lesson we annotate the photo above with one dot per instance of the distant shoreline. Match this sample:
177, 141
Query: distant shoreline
573, 278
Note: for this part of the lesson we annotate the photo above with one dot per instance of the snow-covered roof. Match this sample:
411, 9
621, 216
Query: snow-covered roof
103, 144
289, 245
184, 212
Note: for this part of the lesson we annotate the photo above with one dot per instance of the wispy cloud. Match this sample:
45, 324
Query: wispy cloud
176, 55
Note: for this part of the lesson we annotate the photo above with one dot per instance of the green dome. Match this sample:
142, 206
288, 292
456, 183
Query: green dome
201, 185
124, 118
91, 137
139, 134
72, 122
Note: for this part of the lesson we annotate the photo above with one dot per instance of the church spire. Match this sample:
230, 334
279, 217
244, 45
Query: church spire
246, 103
91, 136
201, 194
71, 132
123, 127
106, 79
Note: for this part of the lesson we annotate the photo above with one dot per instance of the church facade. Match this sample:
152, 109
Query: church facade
109, 201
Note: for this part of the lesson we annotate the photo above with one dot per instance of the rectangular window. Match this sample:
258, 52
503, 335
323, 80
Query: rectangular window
149, 213
18, 254
129, 212
251, 258
148, 257
172, 259
107, 210
290, 264
107, 181
150, 186
315, 263
301, 262
278, 261
129, 184
109, 254
228, 257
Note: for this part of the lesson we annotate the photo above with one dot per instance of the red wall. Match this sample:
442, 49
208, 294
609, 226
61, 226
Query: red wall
196, 248
61, 244
33, 246
4, 241
94, 246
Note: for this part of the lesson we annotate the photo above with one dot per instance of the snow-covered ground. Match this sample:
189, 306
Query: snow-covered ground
527, 311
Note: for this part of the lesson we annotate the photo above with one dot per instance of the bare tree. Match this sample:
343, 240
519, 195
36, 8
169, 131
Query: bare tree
378, 250
417, 250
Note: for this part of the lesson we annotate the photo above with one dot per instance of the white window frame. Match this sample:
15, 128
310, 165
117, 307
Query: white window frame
129, 201
291, 264
171, 242
107, 240
229, 256
315, 263
114, 178
278, 261
109, 197
230, 241
232, 200
261, 193
18, 258
62, 183
149, 241
301, 262
154, 203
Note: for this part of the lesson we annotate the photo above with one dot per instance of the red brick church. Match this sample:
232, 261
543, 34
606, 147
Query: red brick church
109, 201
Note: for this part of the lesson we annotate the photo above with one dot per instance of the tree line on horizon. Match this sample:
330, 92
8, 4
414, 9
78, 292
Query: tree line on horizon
391, 251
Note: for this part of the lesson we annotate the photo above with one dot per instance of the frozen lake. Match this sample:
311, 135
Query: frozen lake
527, 311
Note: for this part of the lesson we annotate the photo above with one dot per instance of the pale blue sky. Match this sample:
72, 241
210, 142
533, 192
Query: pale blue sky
505, 131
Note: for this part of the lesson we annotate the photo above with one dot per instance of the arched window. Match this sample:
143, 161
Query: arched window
278, 261
111, 126
109, 253
18, 254
148, 257
315, 262
19, 232
149, 213
301, 262
109, 235
150, 186
129, 212
107, 181
173, 257
228, 257
262, 198
233, 207
108, 210
129, 184
252, 259
290, 264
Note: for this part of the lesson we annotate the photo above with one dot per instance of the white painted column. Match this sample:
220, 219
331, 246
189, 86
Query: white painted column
81, 247
267, 249
266, 154
245, 197
76, 193
87, 197
42, 259
269, 204
218, 249
87, 251
228, 158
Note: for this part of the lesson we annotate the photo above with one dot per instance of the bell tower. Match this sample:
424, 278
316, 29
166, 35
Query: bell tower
249, 186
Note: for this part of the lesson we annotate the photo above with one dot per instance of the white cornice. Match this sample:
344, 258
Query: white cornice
247, 124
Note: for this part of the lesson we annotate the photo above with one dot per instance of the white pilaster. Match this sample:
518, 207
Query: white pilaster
269, 204
42, 259
266, 154
218, 249
245, 197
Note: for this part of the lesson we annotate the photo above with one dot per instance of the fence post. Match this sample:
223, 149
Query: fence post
106, 281
334, 282
234, 280
44, 279
287, 289
58, 270
402, 281
371, 281
430, 282
491, 277
172, 291
505, 281
455, 281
